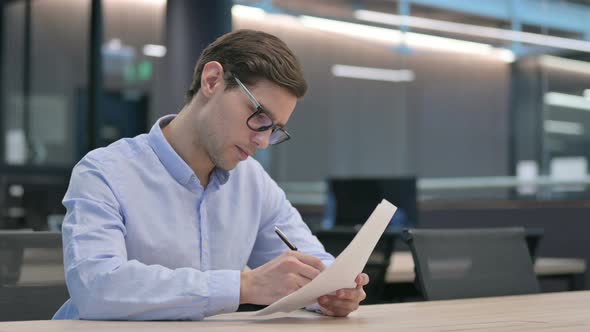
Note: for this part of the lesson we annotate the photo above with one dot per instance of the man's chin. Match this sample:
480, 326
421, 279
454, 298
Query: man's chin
228, 166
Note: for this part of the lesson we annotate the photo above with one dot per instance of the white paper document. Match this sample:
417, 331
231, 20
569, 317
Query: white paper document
346, 267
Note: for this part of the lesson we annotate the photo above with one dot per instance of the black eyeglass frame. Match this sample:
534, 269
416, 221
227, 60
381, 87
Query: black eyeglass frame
283, 135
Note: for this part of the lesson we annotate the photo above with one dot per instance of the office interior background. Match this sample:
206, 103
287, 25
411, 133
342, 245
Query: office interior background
478, 109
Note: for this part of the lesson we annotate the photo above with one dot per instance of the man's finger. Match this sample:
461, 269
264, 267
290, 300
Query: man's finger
309, 260
350, 293
298, 281
339, 313
307, 271
362, 279
339, 307
326, 311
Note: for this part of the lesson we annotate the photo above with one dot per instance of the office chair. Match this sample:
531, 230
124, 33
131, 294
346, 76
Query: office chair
533, 236
467, 263
335, 241
33, 295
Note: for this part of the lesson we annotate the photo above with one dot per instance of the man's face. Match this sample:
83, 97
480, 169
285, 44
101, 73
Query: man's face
226, 136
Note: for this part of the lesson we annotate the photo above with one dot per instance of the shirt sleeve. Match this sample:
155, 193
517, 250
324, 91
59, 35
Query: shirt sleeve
278, 211
105, 285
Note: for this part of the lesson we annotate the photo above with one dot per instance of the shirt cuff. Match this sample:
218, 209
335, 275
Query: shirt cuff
314, 308
328, 262
224, 292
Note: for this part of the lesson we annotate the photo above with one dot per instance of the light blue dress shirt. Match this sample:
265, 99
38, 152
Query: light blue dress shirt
143, 240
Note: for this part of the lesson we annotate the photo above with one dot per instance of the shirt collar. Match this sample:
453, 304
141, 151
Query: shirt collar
175, 165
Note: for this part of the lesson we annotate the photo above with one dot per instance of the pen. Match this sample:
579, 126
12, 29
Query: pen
284, 238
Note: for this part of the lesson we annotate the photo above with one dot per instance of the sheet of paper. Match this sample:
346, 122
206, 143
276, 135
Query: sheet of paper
346, 267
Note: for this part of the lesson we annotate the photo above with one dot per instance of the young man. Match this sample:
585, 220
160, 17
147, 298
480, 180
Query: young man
161, 226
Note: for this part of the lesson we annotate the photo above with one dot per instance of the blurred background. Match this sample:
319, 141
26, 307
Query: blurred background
464, 113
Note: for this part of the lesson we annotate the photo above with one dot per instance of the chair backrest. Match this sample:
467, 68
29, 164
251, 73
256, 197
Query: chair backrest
32, 283
335, 241
533, 236
467, 263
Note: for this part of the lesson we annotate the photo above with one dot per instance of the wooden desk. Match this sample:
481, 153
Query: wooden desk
401, 267
566, 311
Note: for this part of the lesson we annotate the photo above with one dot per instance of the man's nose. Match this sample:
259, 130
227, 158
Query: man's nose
262, 139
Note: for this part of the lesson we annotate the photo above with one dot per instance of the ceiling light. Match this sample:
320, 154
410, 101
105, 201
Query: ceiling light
389, 36
115, 48
563, 127
567, 101
413, 39
247, 11
473, 30
375, 74
352, 29
157, 51
565, 64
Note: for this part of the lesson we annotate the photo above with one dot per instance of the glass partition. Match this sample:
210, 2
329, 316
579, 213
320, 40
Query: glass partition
44, 67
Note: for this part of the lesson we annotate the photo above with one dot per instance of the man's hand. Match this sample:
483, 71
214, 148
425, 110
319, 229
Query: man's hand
278, 278
346, 300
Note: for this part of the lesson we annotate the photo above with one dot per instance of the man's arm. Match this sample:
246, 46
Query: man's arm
278, 278
104, 284
278, 211
276, 270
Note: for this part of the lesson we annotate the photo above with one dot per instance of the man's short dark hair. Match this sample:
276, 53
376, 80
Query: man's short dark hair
252, 55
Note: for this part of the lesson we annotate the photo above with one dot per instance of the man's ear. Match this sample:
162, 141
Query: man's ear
212, 78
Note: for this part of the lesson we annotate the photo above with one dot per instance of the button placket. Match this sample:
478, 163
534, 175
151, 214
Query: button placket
205, 252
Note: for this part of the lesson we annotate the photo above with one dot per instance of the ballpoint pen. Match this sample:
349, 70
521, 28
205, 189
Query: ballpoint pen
284, 238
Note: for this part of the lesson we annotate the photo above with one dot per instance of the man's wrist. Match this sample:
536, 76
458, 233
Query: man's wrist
244, 282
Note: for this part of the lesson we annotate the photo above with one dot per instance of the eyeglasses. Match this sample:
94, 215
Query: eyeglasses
261, 120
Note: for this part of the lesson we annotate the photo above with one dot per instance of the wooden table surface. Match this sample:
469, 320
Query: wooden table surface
555, 312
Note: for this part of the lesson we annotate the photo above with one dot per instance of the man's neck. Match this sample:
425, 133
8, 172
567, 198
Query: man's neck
182, 141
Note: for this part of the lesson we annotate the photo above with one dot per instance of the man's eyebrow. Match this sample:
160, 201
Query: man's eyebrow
272, 117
